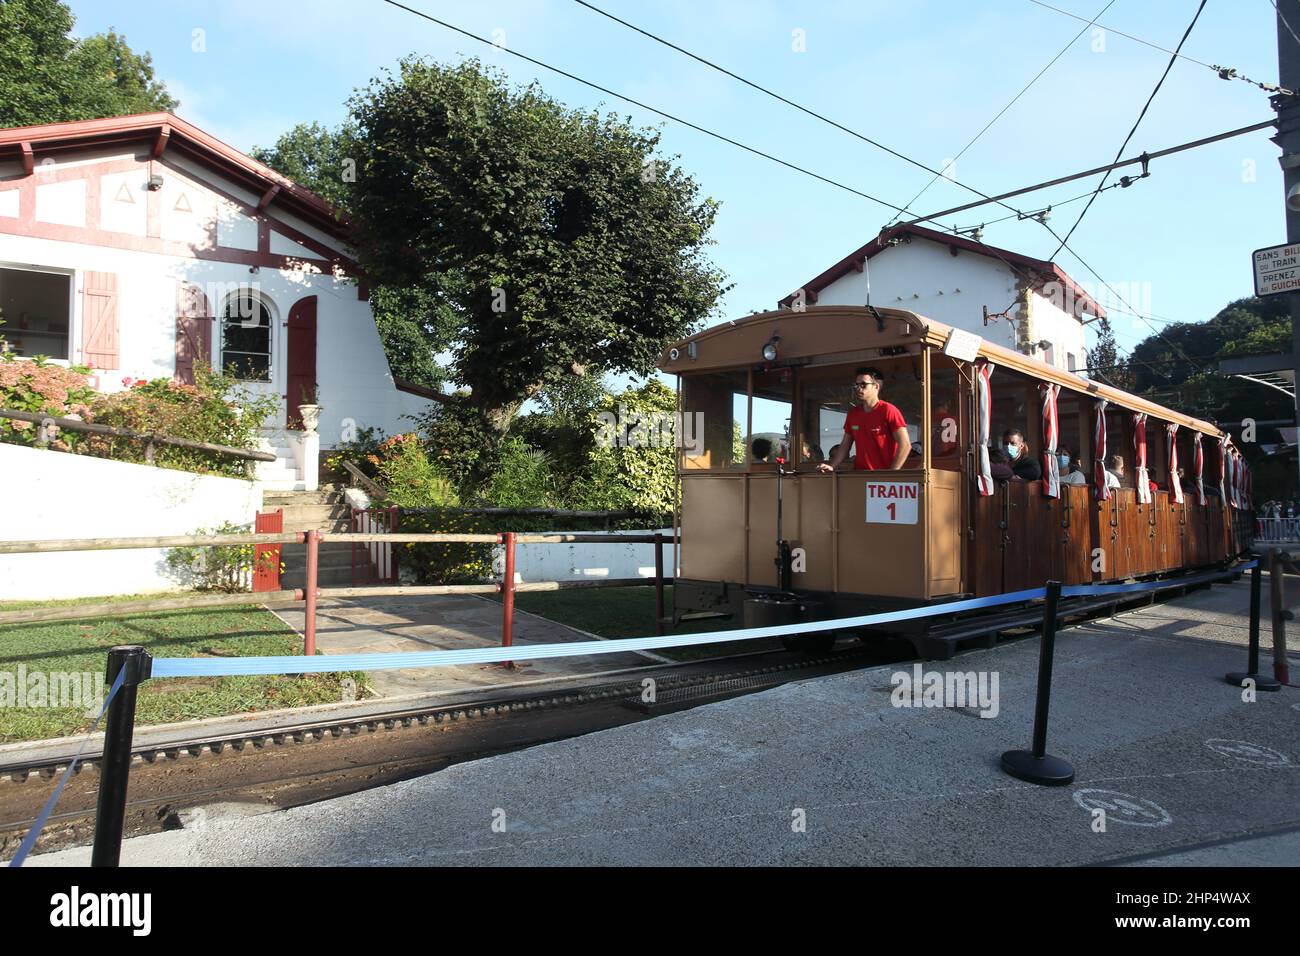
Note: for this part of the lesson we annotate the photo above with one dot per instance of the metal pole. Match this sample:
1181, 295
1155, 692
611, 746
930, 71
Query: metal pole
1280, 615
1045, 668
311, 592
1238, 678
115, 765
1036, 765
508, 591
659, 583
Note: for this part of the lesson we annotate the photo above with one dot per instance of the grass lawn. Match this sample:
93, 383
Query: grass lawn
630, 612
81, 646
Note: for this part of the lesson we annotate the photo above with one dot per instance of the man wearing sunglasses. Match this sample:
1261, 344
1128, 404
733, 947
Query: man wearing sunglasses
876, 429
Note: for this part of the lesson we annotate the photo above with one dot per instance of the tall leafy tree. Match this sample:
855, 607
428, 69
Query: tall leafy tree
555, 238
414, 325
46, 76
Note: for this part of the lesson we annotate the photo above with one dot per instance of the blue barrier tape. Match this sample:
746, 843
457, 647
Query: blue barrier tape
30, 840
228, 667
1082, 590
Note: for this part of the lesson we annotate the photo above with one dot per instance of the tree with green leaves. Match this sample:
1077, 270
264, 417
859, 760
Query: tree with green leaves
555, 238
47, 76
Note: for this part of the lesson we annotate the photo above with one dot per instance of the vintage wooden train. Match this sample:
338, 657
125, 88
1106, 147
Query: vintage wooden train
943, 527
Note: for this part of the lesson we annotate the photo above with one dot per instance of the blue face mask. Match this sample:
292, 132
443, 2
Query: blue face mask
1065, 462
1012, 450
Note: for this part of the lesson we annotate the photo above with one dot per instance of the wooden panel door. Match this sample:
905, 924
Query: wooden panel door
99, 328
300, 376
193, 331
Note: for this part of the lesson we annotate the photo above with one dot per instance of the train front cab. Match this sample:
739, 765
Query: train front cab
852, 553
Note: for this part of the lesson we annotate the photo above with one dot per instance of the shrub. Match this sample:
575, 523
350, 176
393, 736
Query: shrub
44, 388
450, 563
523, 478
362, 451
215, 410
403, 468
227, 568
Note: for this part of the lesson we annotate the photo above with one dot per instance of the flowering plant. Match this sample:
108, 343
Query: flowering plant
43, 388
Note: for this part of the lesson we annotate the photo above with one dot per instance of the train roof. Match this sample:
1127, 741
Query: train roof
822, 331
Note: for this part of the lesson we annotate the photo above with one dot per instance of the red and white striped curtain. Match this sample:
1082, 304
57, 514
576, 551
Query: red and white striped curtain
1140, 479
1250, 487
984, 403
1171, 439
1099, 450
1223, 470
1200, 468
1236, 479
1051, 435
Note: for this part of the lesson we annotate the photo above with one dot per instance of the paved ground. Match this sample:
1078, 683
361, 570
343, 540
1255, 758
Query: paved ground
828, 771
446, 622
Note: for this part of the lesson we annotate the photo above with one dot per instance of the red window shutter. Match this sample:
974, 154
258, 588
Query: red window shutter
193, 330
99, 320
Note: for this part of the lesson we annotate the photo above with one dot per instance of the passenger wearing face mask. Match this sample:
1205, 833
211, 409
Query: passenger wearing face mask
1022, 461
1071, 469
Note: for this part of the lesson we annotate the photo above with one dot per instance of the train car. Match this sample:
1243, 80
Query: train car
767, 533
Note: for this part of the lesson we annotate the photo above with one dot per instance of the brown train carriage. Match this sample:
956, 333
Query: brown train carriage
944, 540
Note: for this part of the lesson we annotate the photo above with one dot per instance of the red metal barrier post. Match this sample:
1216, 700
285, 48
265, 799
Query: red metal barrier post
310, 593
508, 590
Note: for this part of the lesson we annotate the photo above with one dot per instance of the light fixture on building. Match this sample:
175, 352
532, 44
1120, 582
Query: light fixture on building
1042, 345
769, 348
155, 183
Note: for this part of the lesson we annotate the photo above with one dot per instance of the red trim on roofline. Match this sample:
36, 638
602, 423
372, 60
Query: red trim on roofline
165, 131
1046, 270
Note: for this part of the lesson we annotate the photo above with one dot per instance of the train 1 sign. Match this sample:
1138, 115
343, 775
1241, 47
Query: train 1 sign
892, 502
1277, 269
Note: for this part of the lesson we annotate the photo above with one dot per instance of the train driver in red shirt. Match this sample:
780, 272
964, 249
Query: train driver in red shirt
875, 427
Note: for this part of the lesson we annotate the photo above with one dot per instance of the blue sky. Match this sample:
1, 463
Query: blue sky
922, 77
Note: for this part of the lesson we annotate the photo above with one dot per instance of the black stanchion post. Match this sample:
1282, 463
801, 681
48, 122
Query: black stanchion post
115, 766
1037, 765
1239, 678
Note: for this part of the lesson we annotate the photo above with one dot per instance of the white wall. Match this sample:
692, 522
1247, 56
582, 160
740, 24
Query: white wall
50, 494
351, 369
581, 561
924, 277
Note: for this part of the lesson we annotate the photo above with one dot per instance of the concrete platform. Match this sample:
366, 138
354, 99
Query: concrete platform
1185, 770
446, 622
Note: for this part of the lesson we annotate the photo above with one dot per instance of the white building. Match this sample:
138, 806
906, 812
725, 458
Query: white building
1031, 304
141, 245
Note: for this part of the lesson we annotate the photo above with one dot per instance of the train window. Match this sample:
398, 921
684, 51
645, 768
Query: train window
903, 388
1074, 421
825, 397
1157, 463
1016, 405
770, 416
947, 439
715, 418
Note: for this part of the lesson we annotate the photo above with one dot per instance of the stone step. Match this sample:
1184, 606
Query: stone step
320, 517
336, 554
325, 578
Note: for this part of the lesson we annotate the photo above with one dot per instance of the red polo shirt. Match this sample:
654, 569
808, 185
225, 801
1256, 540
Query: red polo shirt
872, 433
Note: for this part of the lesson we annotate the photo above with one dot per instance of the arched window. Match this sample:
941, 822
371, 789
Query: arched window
246, 337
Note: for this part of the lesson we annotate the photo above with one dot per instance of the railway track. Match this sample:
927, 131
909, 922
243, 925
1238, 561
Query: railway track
183, 783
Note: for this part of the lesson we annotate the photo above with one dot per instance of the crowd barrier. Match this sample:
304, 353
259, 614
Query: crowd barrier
131, 666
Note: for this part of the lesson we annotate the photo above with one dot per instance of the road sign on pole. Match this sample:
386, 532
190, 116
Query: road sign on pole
1277, 269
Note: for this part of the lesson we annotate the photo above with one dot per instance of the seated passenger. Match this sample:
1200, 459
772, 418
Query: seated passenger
762, 448
1071, 468
1115, 473
811, 453
999, 468
1021, 459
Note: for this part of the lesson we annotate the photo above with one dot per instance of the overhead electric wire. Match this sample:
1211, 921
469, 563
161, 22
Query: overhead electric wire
1136, 123
777, 96
1143, 158
1223, 72
1284, 23
646, 106
1010, 104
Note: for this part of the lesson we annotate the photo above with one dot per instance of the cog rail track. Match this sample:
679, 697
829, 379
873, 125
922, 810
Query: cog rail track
273, 768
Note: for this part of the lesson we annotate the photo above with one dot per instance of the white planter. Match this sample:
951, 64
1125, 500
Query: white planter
310, 416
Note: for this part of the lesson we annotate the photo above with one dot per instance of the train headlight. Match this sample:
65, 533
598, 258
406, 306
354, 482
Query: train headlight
769, 348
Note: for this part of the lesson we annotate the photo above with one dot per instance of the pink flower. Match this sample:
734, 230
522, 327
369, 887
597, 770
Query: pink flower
127, 381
